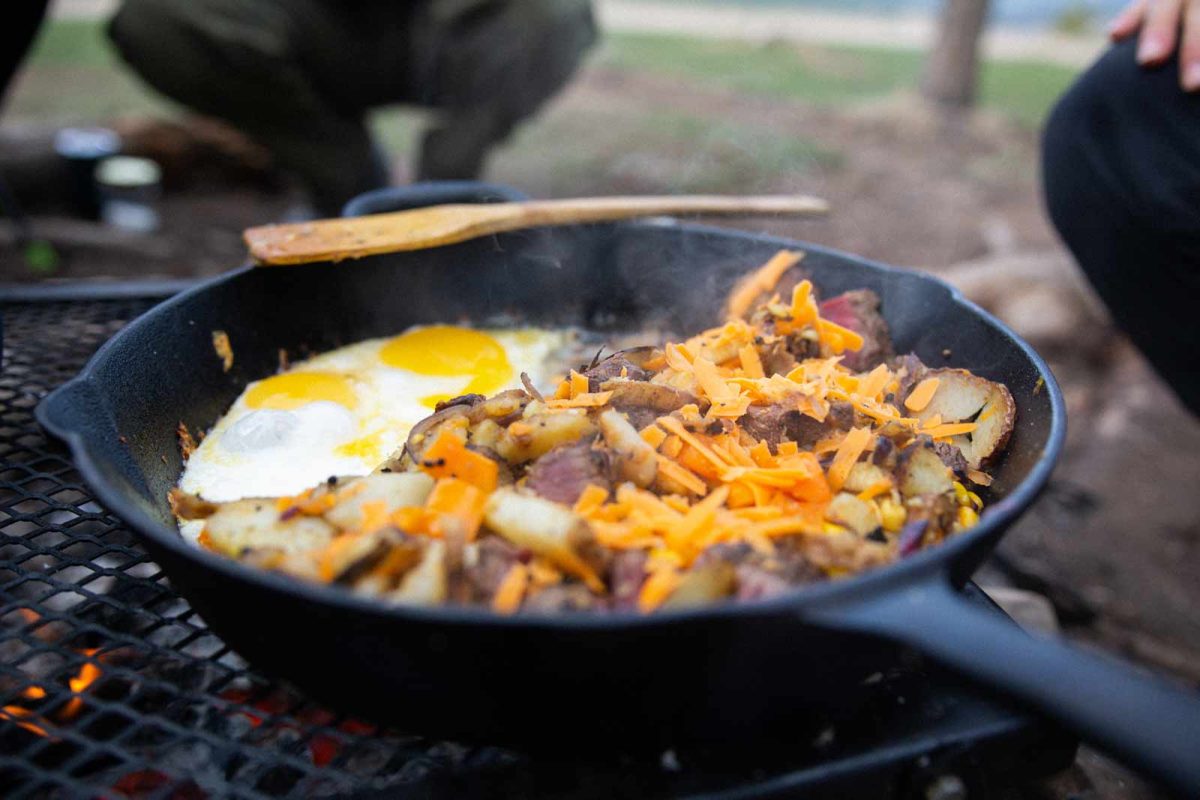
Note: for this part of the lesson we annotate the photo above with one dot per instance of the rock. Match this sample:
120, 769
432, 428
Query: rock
1031, 611
1042, 314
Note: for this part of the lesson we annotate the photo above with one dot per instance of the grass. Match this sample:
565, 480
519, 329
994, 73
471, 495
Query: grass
74, 76
808, 73
675, 152
831, 75
73, 43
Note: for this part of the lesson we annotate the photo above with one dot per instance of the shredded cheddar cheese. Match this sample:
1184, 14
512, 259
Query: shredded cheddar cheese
761, 281
657, 589
847, 454
512, 588
578, 383
921, 394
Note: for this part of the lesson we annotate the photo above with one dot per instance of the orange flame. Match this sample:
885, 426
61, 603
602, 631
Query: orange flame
24, 718
19, 717
88, 674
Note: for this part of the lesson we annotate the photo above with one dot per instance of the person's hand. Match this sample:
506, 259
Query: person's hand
1160, 23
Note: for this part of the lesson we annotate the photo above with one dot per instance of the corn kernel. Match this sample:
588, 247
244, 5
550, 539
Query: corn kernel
975, 501
892, 515
833, 527
967, 517
960, 494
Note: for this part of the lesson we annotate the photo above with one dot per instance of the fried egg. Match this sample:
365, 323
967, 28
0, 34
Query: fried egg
343, 412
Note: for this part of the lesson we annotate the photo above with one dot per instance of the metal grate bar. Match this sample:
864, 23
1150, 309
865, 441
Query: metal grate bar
173, 712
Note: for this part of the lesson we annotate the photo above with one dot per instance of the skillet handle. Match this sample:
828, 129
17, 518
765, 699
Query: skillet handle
1140, 719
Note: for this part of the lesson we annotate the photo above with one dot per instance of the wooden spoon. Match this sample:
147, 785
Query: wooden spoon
355, 237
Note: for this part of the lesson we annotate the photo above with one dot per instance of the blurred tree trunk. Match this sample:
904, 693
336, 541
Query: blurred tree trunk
951, 69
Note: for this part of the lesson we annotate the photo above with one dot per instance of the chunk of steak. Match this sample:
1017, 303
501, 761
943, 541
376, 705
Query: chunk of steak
910, 371
613, 367
884, 454
564, 472
562, 597
643, 402
758, 575
780, 422
627, 573
953, 458
755, 583
858, 310
842, 416
484, 569
776, 358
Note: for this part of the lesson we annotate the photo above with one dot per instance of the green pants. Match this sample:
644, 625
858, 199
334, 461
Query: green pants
299, 75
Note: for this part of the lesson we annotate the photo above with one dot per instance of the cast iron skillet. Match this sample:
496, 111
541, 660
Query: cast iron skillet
722, 676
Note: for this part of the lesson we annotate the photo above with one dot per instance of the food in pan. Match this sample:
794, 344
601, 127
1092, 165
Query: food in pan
786, 446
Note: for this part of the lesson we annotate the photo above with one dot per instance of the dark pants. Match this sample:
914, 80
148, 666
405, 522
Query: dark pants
300, 75
22, 21
1121, 164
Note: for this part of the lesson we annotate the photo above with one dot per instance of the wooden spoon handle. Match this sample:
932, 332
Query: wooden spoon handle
355, 237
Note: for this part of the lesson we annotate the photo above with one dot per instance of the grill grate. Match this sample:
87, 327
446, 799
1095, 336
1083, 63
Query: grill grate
110, 685
169, 711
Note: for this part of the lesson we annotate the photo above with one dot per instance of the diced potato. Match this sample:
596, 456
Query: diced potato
845, 552
381, 575
487, 434
395, 489
250, 524
702, 585
542, 432
353, 555
857, 515
425, 584
862, 475
501, 405
681, 382
533, 408
542, 526
962, 397
922, 471
637, 460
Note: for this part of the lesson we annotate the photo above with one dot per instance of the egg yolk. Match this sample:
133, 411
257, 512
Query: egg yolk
444, 350
294, 389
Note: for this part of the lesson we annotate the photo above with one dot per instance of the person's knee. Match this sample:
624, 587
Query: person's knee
1086, 136
561, 32
220, 57
572, 19
1093, 101
143, 31
1129, 133
538, 45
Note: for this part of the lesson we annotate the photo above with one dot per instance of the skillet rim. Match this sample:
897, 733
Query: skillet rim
994, 519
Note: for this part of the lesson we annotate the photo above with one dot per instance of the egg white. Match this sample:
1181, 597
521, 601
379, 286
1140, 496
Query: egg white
266, 452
